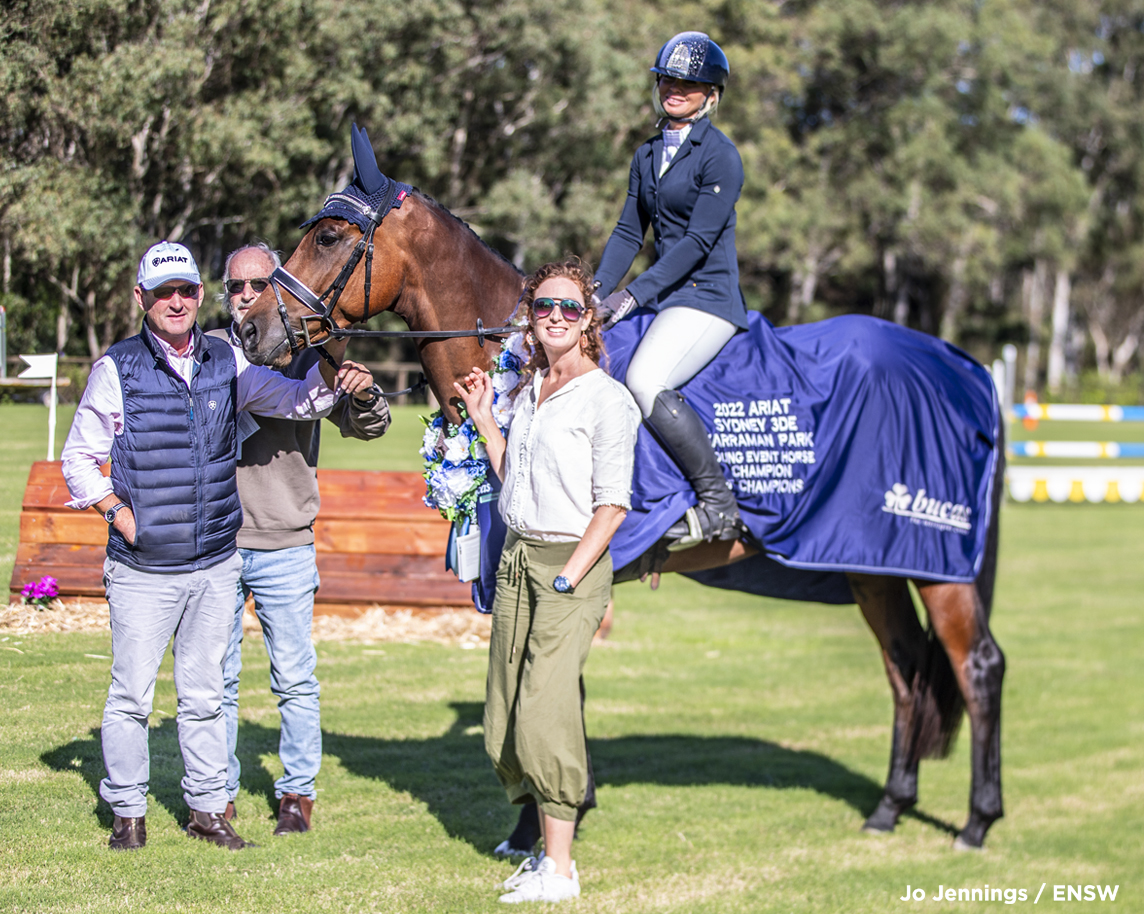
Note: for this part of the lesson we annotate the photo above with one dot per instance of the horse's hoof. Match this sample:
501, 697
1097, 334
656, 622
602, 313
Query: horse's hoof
884, 819
960, 844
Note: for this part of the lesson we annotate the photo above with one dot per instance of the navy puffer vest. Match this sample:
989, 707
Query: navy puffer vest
174, 464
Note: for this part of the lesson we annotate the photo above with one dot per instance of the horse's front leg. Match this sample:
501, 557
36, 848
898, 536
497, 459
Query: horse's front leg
961, 621
889, 611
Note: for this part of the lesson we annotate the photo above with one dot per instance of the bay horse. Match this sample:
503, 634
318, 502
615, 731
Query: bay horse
429, 267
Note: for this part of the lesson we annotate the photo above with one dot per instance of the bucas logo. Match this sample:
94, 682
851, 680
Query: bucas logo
170, 258
925, 509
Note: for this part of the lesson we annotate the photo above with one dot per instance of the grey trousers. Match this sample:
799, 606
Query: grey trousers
147, 608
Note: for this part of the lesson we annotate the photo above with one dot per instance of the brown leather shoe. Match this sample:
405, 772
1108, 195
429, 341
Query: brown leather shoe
231, 813
293, 814
213, 827
128, 834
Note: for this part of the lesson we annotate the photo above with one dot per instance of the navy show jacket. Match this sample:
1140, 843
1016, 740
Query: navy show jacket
691, 210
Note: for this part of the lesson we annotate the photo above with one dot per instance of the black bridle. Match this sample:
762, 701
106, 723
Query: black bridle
322, 306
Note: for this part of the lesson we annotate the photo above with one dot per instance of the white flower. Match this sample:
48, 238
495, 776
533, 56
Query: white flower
478, 450
442, 494
516, 345
458, 482
504, 382
429, 442
502, 411
456, 448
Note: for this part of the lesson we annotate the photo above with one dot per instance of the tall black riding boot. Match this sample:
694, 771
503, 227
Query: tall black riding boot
679, 429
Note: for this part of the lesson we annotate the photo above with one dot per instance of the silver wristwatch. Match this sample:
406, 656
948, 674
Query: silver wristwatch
109, 514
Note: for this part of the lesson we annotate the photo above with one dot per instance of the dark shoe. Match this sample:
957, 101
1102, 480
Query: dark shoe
213, 827
293, 814
128, 834
231, 813
678, 428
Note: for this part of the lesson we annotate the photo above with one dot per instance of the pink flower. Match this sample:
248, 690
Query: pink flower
41, 592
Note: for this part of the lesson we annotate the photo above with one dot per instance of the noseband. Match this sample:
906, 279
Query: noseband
322, 306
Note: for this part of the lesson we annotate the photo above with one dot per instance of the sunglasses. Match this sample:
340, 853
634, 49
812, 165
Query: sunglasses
190, 290
683, 85
571, 309
235, 286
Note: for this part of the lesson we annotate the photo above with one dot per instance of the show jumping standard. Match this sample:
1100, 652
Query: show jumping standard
430, 268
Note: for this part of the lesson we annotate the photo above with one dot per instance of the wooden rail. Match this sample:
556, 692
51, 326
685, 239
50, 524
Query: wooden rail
377, 544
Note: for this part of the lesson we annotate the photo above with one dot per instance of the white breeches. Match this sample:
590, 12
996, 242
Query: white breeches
679, 342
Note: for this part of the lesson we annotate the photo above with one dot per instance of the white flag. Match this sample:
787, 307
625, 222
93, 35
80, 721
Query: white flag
40, 366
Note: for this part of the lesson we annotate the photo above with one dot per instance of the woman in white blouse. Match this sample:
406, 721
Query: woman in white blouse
567, 473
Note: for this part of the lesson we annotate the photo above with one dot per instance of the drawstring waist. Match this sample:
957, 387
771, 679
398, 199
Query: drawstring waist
519, 554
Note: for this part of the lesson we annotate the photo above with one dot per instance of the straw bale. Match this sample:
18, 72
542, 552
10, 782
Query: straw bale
377, 623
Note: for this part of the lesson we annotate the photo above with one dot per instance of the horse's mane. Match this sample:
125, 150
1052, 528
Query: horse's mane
434, 204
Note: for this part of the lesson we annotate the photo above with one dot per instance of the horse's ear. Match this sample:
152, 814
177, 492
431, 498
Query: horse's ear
367, 175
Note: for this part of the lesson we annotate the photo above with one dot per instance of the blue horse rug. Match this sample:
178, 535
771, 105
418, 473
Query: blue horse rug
852, 444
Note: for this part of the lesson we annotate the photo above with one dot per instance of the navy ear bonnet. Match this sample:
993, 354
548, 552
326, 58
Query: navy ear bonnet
370, 191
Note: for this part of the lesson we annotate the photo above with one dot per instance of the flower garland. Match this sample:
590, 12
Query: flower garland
456, 463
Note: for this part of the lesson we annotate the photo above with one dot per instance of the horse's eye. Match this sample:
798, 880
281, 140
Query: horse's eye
327, 239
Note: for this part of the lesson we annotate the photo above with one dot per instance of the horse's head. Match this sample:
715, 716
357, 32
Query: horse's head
376, 246
322, 285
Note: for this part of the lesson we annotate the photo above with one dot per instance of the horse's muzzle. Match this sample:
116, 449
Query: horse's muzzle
263, 342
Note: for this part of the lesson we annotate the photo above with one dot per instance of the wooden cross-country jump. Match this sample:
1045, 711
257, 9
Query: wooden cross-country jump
377, 544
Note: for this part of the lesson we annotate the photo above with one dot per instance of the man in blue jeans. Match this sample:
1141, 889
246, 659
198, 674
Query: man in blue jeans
278, 486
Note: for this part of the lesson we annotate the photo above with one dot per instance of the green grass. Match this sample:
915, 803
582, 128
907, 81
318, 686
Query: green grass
739, 743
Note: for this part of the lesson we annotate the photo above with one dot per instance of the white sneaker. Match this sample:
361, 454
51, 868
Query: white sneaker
543, 884
526, 869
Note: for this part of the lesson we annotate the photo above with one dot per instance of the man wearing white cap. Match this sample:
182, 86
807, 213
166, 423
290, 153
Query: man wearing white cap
162, 405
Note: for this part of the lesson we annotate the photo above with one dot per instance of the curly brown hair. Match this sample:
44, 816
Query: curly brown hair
592, 341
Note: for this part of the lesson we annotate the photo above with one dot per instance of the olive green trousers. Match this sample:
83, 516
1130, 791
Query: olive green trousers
534, 728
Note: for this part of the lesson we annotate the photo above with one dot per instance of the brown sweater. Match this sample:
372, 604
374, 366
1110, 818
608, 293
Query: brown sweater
277, 466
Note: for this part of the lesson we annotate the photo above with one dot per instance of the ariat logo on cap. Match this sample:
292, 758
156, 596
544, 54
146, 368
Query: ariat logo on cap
167, 262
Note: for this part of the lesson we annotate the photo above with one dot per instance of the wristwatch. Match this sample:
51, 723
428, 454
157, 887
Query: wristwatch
109, 514
562, 584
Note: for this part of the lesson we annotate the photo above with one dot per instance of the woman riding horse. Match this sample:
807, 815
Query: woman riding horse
684, 183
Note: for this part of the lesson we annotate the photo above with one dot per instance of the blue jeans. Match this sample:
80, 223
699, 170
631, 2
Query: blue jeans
283, 582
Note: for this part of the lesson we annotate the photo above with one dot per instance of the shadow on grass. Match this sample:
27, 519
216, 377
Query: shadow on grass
453, 777
86, 757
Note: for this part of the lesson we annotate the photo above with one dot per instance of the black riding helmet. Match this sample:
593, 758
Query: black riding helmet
693, 56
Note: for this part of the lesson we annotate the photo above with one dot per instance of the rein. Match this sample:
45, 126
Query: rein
322, 306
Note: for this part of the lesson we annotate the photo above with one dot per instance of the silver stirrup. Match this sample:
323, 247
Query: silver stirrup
694, 533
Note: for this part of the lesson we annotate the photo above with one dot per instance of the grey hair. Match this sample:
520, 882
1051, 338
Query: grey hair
275, 259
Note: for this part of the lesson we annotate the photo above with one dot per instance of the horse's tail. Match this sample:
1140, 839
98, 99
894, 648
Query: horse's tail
938, 704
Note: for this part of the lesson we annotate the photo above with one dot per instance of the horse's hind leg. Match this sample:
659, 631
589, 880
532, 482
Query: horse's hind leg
959, 614
889, 611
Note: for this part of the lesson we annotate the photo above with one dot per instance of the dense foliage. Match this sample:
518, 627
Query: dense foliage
968, 168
